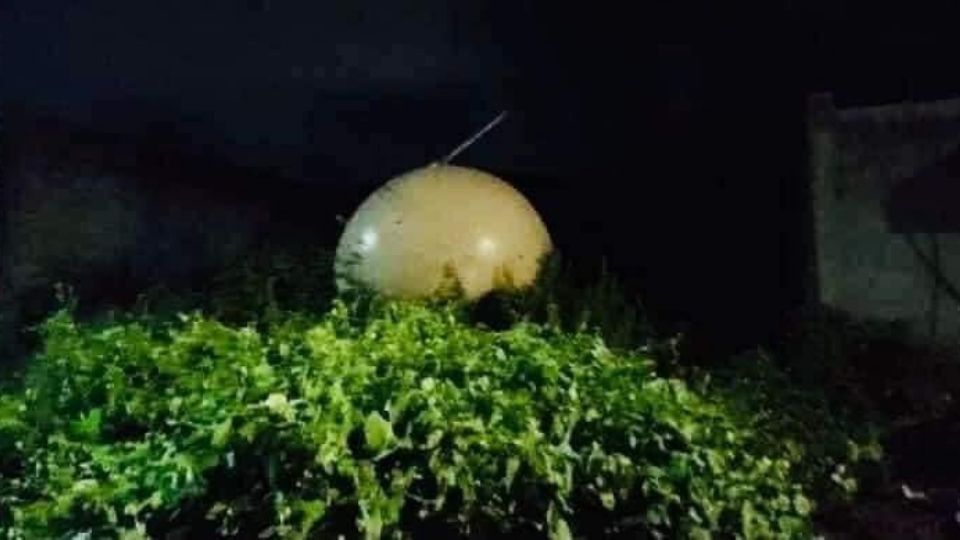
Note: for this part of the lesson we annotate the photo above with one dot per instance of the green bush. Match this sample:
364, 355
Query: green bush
379, 420
832, 446
264, 281
573, 299
800, 403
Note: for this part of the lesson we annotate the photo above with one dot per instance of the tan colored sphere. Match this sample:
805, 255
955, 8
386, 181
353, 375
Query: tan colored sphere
441, 224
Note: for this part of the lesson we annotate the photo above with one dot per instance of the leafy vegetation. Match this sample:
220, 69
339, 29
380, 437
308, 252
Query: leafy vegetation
289, 412
804, 404
834, 445
381, 419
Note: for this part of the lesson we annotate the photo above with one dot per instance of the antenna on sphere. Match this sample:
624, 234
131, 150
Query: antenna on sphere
473, 138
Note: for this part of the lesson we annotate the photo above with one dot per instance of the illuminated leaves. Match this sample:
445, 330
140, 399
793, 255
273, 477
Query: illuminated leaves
377, 417
378, 432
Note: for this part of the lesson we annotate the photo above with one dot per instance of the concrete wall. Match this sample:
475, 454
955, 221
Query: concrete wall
857, 157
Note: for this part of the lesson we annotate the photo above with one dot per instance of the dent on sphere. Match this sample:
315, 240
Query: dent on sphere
424, 227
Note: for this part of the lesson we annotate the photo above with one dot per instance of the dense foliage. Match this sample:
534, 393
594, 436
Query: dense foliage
834, 445
172, 459
379, 420
804, 403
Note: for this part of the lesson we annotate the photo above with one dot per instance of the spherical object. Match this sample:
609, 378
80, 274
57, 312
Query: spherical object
442, 225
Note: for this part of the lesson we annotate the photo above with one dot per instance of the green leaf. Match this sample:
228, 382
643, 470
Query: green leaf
608, 499
748, 520
557, 527
699, 533
88, 427
312, 511
802, 505
221, 433
378, 432
372, 526
513, 465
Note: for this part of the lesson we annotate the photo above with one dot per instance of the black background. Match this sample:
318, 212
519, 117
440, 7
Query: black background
669, 136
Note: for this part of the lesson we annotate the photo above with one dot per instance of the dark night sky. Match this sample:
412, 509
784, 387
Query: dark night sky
675, 129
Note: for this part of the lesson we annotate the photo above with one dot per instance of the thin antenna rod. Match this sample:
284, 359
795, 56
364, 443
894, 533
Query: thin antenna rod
474, 138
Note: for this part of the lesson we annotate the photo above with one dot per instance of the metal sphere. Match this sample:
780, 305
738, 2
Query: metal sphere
440, 224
